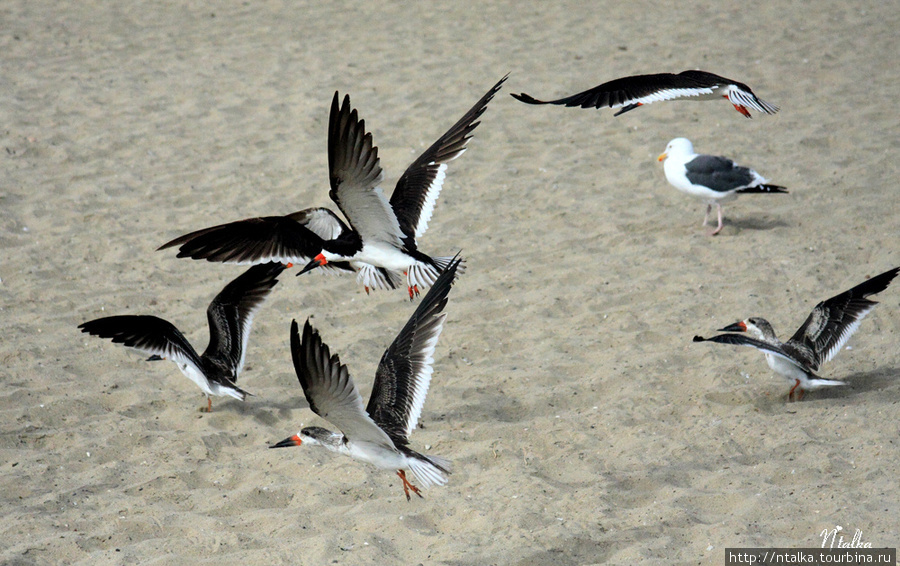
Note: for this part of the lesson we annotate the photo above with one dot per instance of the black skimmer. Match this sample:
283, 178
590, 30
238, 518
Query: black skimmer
711, 178
384, 233
230, 316
378, 434
819, 338
380, 241
628, 93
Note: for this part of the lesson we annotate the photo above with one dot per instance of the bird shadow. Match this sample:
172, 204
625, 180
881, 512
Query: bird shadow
754, 223
880, 379
266, 412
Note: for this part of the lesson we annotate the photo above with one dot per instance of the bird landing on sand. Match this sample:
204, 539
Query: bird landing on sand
825, 331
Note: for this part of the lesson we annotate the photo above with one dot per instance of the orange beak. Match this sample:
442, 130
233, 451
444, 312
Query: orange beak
292, 441
317, 261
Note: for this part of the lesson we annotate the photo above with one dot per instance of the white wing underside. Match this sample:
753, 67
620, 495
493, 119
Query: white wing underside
323, 223
767, 349
370, 213
423, 377
431, 197
333, 394
245, 337
669, 94
844, 336
351, 418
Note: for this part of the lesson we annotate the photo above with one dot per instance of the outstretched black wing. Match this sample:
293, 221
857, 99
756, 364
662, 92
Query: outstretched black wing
404, 373
832, 322
283, 239
230, 315
631, 92
148, 334
417, 191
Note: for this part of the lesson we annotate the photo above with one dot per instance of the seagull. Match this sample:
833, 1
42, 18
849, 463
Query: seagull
230, 315
378, 241
826, 330
378, 434
628, 93
711, 178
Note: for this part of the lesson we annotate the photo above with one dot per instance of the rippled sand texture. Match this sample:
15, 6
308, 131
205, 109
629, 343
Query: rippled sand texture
583, 424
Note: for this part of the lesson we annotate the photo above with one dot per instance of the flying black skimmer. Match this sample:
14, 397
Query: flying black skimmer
378, 434
380, 241
384, 233
711, 178
819, 338
230, 316
630, 92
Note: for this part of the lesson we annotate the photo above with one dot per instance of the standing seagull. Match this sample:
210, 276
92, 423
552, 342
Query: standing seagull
711, 178
630, 92
378, 434
230, 315
826, 330
380, 241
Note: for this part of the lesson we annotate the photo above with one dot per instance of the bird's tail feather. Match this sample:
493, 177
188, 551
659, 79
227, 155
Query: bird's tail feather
430, 470
424, 275
233, 391
764, 189
444, 262
815, 382
378, 278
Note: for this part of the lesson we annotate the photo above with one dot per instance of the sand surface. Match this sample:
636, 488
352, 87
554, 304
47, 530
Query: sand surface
583, 424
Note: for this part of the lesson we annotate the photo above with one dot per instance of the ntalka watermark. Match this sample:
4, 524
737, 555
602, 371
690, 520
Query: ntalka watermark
831, 539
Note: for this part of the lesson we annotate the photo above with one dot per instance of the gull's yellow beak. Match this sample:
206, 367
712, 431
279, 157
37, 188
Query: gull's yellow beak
662, 157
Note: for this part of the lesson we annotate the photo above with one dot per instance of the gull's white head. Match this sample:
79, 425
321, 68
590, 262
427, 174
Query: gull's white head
677, 147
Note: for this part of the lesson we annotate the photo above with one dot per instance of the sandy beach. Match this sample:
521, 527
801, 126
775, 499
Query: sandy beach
583, 424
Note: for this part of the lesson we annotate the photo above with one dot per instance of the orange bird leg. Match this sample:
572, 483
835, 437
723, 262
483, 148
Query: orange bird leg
791, 392
742, 109
408, 486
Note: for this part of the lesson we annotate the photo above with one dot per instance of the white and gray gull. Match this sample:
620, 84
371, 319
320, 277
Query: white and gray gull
711, 178
230, 316
823, 334
629, 93
378, 434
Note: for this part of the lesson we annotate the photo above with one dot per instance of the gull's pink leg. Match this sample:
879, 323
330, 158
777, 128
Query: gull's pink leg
719, 229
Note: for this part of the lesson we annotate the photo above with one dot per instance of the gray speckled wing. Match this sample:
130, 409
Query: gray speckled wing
831, 323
